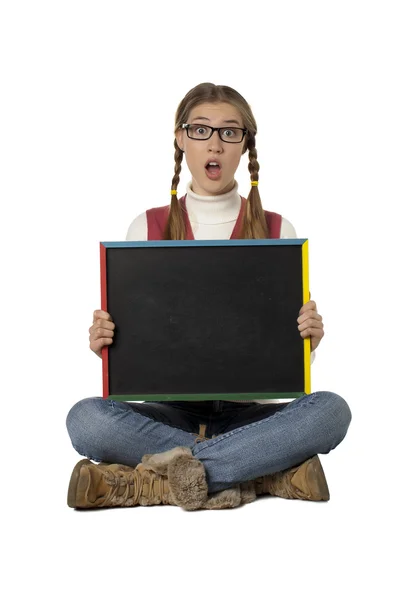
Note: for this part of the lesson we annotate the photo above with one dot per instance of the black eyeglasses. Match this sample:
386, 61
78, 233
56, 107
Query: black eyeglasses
231, 135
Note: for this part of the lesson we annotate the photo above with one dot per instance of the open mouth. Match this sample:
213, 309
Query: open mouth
213, 169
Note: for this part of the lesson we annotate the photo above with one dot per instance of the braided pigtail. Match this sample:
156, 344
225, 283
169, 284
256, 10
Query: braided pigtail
254, 224
175, 228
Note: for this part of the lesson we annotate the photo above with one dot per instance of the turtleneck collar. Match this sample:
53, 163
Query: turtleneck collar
213, 210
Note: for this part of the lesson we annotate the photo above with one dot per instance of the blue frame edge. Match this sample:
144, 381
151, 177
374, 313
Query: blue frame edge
152, 243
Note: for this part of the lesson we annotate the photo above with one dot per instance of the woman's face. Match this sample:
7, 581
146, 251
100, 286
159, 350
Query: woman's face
213, 180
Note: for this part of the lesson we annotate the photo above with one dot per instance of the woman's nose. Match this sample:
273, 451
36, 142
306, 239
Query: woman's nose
215, 143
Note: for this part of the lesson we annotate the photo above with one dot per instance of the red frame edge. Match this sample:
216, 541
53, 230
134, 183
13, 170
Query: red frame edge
103, 291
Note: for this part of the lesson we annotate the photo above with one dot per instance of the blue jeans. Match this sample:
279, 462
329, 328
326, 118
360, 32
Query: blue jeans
239, 442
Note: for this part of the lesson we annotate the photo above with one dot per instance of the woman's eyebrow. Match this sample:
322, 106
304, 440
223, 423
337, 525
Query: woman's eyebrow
226, 121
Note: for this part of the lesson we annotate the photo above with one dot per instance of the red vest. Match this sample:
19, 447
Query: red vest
157, 221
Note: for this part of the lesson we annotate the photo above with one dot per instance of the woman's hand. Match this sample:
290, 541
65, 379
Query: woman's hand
310, 324
101, 332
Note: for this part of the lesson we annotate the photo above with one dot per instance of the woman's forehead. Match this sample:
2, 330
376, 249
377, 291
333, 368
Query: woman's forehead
210, 112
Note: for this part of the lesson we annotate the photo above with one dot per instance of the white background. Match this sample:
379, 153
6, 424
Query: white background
88, 95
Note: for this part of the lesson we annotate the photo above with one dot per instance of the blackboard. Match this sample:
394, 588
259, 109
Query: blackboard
205, 320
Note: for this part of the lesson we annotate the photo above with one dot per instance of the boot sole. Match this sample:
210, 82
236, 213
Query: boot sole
73, 482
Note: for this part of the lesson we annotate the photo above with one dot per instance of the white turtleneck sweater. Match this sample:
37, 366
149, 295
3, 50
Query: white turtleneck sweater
211, 218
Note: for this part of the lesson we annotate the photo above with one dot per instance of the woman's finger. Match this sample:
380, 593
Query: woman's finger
311, 323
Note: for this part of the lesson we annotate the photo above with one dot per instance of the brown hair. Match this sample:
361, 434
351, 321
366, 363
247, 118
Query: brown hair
254, 224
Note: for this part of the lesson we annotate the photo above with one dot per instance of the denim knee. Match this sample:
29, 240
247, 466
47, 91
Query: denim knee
86, 424
337, 415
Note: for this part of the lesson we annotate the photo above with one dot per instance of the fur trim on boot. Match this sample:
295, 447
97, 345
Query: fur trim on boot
225, 499
186, 476
248, 492
188, 484
159, 462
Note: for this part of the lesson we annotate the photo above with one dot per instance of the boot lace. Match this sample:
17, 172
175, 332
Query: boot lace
133, 481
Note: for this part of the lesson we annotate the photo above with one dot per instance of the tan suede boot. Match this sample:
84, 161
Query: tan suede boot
305, 482
106, 485
174, 477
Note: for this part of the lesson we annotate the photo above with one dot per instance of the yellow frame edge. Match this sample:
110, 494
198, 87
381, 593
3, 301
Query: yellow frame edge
306, 298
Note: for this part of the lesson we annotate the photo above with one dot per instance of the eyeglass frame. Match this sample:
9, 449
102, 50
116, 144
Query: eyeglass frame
187, 125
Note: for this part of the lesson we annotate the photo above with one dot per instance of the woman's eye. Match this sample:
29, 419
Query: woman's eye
229, 133
200, 130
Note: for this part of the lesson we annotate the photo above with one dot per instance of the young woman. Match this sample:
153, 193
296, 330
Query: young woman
206, 454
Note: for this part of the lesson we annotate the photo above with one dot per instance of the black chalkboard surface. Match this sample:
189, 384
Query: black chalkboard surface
202, 320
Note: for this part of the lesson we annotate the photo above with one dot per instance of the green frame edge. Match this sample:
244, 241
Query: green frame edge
194, 397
